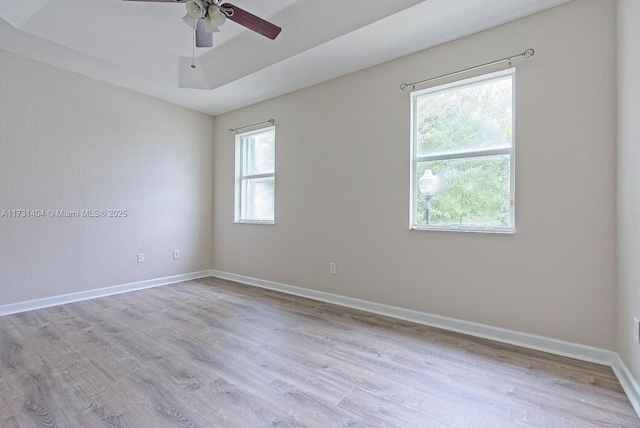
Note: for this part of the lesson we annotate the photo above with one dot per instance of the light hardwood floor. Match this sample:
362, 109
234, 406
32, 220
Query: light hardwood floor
213, 353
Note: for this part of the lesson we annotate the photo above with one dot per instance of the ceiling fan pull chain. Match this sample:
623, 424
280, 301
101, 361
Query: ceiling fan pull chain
193, 48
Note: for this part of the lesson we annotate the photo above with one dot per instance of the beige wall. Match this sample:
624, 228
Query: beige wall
628, 181
69, 142
342, 188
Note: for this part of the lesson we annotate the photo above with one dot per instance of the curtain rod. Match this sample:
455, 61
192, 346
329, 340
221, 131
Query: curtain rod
526, 54
271, 121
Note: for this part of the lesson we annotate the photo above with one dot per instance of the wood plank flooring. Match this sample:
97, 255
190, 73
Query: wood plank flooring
213, 353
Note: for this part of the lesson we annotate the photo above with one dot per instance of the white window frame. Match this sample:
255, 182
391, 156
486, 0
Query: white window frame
462, 154
240, 177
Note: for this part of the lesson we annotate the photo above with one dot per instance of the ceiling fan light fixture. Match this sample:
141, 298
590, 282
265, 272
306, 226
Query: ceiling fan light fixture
206, 17
214, 13
210, 26
190, 21
195, 8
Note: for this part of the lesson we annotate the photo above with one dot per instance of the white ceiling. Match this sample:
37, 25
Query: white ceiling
147, 48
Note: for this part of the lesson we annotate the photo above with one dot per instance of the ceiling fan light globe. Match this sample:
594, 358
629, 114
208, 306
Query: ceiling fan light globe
218, 17
210, 26
190, 21
195, 8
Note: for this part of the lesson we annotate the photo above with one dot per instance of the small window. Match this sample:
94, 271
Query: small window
255, 176
462, 152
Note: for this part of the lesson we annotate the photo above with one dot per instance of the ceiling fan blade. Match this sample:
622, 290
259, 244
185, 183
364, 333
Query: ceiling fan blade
252, 22
203, 39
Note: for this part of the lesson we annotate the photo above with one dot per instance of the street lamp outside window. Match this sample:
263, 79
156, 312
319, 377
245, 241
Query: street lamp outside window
428, 184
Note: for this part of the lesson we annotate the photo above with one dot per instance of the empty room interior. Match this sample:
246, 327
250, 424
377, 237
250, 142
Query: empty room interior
320, 214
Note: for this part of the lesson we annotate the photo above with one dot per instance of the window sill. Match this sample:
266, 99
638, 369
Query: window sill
266, 222
439, 228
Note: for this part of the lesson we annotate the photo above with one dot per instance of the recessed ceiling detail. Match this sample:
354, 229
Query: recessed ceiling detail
148, 48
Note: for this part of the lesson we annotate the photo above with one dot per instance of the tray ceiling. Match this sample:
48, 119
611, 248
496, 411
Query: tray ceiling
146, 47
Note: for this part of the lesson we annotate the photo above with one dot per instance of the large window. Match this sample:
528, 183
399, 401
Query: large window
255, 176
462, 169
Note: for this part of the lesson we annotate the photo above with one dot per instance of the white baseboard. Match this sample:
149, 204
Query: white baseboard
46, 302
531, 341
628, 382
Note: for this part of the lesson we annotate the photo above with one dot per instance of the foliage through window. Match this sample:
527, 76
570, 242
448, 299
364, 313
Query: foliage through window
255, 176
462, 174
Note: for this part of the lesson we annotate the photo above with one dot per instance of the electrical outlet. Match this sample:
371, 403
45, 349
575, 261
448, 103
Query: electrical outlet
176, 254
140, 258
332, 268
636, 330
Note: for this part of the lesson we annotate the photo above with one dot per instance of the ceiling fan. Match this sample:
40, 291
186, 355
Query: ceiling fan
207, 16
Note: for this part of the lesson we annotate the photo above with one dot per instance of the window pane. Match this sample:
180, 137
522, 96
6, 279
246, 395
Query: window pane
473, 117
472, 192
258, 199
258, 153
